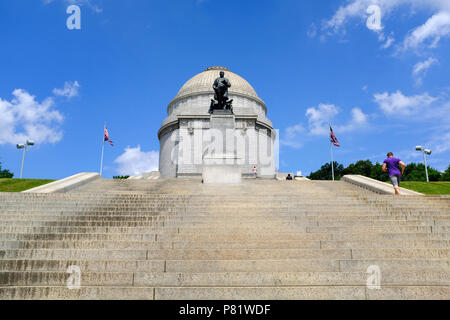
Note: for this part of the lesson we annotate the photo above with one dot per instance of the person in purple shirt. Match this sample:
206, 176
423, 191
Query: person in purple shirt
390, 165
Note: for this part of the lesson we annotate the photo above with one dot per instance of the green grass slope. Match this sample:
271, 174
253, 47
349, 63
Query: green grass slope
427, 187
18, 185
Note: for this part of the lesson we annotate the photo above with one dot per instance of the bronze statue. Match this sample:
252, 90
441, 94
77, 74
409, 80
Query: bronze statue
221, 100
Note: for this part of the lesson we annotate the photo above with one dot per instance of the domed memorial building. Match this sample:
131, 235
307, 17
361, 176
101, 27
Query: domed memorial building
216, 119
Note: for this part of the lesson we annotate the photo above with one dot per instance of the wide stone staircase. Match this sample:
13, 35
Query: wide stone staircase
264, 239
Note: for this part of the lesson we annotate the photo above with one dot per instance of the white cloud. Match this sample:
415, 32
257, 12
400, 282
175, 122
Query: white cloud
135, 162
88, 3
354, 9
312, 31
357, 9
424, 65
397, 104
421, 68
432, 31
389, 42
441, 143
70, 90
319, 118
25, 118
358, 116
358, 119
291, 137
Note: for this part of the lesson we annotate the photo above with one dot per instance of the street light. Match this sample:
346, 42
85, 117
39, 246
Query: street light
29, 143
425, 153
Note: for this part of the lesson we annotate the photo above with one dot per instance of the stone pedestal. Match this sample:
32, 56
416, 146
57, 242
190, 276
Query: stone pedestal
222, 146
222, 120
222, 169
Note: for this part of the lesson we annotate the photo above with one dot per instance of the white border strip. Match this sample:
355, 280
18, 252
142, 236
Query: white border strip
377, 186
66, 184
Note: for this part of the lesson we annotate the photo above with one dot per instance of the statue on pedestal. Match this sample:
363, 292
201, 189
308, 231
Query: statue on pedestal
221, 100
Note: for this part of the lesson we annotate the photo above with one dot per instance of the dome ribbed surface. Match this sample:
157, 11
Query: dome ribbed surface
203, 82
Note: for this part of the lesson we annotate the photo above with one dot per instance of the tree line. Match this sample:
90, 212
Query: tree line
8, 174
413, 172
5, 173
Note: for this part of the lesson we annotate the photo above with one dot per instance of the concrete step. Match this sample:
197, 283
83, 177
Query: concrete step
385, 244
262, 244
217, 293
257, 224
222, 279
302, 293
224, 230
229, 237
77, 216
92, 265
190, 254
223, 203
211, 266
226, 254
97, 197
85, 293
201, 219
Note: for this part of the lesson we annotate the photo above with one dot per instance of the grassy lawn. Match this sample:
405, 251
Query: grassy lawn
427, 188
18, 185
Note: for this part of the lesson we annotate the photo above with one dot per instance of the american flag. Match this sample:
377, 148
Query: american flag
333, 138
107, 137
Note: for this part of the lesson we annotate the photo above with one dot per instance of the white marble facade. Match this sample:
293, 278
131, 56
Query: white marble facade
187, 135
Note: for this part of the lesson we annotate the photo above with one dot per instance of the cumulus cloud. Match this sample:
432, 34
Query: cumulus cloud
134, 161
389, 42
421, 68
358, 9
319, 118
441, 143
435, 28
291, 137
70, 90
25, 118
399, 104
358, 120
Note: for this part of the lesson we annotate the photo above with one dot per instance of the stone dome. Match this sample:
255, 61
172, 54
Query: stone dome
202, 83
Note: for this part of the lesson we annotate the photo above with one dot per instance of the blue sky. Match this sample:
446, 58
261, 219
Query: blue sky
382, 83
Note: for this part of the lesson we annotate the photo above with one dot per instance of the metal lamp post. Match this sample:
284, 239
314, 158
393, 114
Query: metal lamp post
29, 143
425, 153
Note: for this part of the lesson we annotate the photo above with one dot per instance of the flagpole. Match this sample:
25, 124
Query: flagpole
103, 150
331, 152
332, 162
